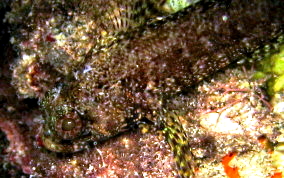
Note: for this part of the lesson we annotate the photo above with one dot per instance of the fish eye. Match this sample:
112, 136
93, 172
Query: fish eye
69, 126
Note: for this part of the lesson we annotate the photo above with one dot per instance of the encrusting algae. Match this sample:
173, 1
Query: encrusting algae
130, 61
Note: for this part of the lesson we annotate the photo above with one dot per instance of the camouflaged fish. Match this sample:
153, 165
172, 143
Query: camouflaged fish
138, 74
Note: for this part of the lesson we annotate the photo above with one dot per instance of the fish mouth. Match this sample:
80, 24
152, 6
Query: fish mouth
65, 146
80, 143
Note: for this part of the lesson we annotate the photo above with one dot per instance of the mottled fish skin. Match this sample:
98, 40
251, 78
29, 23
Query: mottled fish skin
117, 16
179, 144
136, 77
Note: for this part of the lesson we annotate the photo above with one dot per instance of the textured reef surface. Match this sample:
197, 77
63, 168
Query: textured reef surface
115, 89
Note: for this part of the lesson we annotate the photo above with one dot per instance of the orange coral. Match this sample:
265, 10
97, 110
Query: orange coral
232, 172
277, 175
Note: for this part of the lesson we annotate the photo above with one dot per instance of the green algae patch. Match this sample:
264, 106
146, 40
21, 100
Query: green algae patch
258, 75
172, 6
277, 85
278, 62
272, 67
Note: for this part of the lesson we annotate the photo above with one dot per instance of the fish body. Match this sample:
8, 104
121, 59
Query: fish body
136, 76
